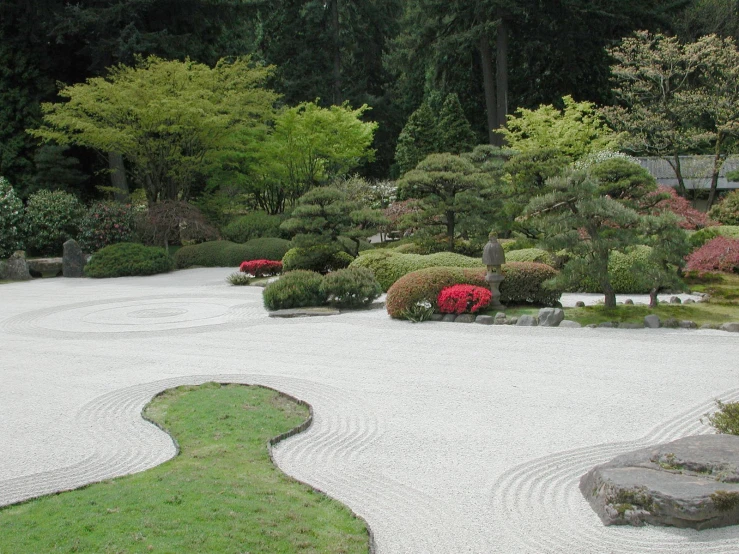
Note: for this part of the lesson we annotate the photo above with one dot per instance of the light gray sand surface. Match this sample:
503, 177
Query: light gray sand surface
447, 438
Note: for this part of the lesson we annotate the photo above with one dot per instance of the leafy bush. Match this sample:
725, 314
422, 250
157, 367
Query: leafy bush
459, 299
523, 283
530, 255
11, 220
699, 238
174, 222
239, 279
625, 270
718, 254
320, 258
106, 223
389, 266
690, 218
295, 289
253, 226
128, 258
351, 287
52, 217
520, 243
727, 211
726, 419
261, 268
224, 253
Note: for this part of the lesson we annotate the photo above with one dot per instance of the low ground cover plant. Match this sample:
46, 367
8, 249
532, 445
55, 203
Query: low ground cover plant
239, 279
221, 493
460, 299
718, 254
261, 268
128, 259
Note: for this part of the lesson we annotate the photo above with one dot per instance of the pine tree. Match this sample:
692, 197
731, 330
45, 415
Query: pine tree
454, 131
417, 140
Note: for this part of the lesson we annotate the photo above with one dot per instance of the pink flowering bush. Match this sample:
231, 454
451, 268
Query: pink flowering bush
261, 268
719, 254
459, 299
106, 223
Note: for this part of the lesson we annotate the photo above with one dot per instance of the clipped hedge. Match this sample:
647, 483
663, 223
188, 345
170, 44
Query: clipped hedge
127, 259
530, 255
523, 284
224, 253
389, 266
320, 258
624, 273
252, 226
295, 289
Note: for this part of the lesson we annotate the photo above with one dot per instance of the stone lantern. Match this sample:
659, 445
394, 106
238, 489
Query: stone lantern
493, 256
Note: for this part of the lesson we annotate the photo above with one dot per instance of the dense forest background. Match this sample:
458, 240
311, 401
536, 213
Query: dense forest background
496, 55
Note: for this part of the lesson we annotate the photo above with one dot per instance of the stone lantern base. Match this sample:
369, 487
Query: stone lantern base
494, 280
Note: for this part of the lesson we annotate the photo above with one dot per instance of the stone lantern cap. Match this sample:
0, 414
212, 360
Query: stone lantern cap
493, 253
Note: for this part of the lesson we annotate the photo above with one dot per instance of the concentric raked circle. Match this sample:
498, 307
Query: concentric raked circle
123, 316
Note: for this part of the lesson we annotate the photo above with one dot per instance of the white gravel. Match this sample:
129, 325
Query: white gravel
447, 438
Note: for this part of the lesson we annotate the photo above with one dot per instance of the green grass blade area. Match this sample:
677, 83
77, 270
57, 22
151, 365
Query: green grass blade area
221, 494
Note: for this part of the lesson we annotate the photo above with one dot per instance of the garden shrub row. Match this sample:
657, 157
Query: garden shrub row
128, 259
224, 253
345, 288
255, 225
523, 284
530, 255
389, 266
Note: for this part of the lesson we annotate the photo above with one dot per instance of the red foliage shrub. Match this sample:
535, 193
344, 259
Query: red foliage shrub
261, 268
459, 299
690, 218
719, 254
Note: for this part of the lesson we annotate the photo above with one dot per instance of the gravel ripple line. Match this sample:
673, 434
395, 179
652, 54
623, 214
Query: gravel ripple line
541, 502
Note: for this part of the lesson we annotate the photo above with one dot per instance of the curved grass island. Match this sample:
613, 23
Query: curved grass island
221, 493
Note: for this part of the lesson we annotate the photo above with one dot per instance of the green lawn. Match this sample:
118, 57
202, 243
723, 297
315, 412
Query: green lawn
221, 494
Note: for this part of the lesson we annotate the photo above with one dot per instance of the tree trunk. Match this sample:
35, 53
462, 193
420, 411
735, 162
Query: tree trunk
653, 301
118, 176
491, 103
610, 300
337, 52
501, 77
450, 229
718, 162
677, 168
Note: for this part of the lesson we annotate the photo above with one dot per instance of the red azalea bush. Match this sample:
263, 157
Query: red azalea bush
719, 254
261, 268
459, 299
690, 218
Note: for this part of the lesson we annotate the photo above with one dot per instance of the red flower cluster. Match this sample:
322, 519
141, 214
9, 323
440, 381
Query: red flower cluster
261, 268
459, 299
719, 254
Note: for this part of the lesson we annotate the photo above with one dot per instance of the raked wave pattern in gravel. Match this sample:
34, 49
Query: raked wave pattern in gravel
539, 507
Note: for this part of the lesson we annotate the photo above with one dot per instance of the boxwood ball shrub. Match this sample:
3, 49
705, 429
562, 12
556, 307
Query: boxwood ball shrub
128, 258
11, 220
224, 253
320, 258
352, 287
524, 283
252, 226
295, 289
530, 255
52, 217
459, 299
106, 223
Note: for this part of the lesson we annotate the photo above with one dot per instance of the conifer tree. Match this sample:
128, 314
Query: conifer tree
454, 131
417, 139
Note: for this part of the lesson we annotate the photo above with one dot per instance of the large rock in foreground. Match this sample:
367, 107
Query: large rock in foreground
74, 260
691, 482
16, 268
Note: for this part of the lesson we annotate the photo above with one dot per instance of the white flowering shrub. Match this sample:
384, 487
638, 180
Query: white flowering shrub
11, 218
601, 156
52, 217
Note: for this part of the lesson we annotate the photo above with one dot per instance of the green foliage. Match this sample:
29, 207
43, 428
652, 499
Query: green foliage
295, 289
529, 255
251, 226
224, 253
575, 131
320, 258
169, 119
455, 134
702, 236
238, 279
352, 287
106, 223
173, 222
55, 170
726, 212
625, 270
726, 419
417, 140
11, 218
529, 283
52, 217
128, 258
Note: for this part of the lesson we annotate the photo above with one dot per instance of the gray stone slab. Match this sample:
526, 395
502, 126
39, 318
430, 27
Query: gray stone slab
732, 327
304, 312
687, 324
526, 321
551, 317
651, 321
74, 260
16, 268
569, 323
449, 318
485, 319
436, 317
465, 318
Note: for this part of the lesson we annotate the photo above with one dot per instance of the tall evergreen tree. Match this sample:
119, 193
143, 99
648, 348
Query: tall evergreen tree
417, 140
455, 134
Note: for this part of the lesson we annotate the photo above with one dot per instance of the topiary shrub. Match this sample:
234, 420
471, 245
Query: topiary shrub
261, 268
11, 220
52, 217
106, 223
727, 211
206, 254
128, 258
530, 255
295, 289
224, 253
352, 287
524, 283
459, 299
253, 226
718, 254
319, 258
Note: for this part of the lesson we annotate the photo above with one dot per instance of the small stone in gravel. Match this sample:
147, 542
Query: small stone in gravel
631, 326
609, 324
675, 300
526, 321
511, 321
569, 323
500, 318
651, 321
485, 319
629, 302
449, 318
689, 301
465, 318
579, 304
687, 324
709, 326
592, 326
436, 317
551, 317
732, 327
671, 323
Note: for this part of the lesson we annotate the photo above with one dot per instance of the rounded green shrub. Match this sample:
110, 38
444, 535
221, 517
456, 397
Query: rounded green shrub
352, 287
530, 255
295, 289
128, 258
224, 253
106, 223
252, 226
726, 211
319, 258
702, 236
11, 220
206, 254
52, 217
624, 270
